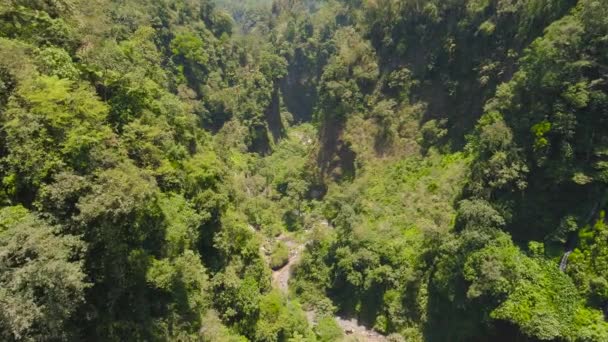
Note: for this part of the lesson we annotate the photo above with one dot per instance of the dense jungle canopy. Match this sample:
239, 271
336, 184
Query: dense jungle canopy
303, 170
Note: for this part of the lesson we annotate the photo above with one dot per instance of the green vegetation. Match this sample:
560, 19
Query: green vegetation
328, 330
265, 170
279, 256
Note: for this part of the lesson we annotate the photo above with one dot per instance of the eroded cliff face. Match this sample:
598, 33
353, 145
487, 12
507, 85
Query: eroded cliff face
299, 87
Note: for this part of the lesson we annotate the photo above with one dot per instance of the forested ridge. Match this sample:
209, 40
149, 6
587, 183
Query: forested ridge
303, 170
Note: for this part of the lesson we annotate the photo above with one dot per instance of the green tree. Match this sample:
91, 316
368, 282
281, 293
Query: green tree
42, 283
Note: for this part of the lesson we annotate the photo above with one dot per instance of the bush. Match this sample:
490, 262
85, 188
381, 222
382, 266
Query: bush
279, 256
328, 330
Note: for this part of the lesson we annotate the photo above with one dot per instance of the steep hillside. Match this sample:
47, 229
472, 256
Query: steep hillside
303, 170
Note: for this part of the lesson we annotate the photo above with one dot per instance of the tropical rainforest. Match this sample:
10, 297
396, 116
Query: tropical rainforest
303, 170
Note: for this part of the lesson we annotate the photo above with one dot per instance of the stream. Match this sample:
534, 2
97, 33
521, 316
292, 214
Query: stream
280, 280
564, 263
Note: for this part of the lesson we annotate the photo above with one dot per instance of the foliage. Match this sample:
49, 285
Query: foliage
41, 277
328, 330
429, 162
279, 256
